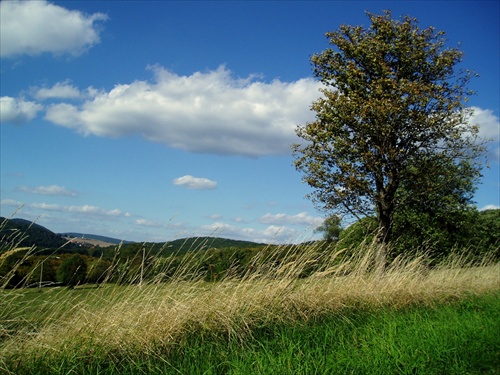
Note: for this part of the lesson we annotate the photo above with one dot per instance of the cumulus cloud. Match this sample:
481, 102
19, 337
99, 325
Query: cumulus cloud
489, 207
206, 112
239, 220
489, 124
34, 27
17, 111
61, 90
149, 223
197, 183
489, 129
11, 202
302, 218
49, 190
214, 217
85, 209
271, 234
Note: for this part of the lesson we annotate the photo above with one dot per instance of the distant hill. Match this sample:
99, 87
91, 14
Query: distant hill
184, 245
110, 240
194, 243
31, 234
24, 233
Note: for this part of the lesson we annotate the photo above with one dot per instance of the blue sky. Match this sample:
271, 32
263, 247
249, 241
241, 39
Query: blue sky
156, 120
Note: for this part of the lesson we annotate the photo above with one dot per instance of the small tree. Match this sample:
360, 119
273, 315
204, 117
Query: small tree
392, 115
330, 228
72, 271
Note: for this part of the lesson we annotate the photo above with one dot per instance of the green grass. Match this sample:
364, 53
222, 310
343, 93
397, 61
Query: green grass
346, 317
451, 339
457, 337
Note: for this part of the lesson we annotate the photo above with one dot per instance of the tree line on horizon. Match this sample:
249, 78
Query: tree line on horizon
218, 257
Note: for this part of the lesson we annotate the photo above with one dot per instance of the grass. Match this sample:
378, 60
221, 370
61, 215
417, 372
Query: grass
454, 339
345, 317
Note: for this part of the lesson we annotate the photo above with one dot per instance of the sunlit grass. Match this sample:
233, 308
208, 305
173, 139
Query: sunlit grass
152, 320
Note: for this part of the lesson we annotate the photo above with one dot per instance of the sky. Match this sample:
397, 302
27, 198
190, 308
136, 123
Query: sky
159, 120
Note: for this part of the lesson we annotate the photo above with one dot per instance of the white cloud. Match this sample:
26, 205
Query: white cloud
489, 207
47, 206
302, 218
61, 90
198, 183
34, 27
87, 210
148, 223
206, 112
11, 202
49, 190
17, 111
274, 233
489, 124
489, 129
271, 234
63, 113
214, 217
240, 220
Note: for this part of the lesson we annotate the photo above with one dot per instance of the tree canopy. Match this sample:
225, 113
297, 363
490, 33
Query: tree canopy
72, 271
392, 130
330, 228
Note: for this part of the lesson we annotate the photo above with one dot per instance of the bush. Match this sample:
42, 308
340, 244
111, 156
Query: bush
72, 271
473, 232
361, 231
98, 271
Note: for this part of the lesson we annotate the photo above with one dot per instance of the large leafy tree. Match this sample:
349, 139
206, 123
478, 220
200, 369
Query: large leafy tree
391, 129
437, 214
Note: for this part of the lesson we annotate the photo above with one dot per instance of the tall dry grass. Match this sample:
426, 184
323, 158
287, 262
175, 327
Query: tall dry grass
118, 321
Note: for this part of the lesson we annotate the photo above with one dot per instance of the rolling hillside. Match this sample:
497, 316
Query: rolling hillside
24, 233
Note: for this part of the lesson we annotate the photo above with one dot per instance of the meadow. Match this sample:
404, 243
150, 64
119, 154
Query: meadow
303, 310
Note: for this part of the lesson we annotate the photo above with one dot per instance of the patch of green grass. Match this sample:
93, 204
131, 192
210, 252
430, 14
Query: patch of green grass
459, 337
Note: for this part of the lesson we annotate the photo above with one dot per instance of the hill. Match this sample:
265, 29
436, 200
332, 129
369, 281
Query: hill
24, 233
209, 242
95, 237
182, 246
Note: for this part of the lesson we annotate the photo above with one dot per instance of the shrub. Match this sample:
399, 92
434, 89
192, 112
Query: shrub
98, 271
72, 271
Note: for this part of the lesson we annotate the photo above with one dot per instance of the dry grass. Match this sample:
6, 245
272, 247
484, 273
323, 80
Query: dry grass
117, 320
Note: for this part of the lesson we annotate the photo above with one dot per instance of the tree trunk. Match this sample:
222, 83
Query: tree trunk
384, 233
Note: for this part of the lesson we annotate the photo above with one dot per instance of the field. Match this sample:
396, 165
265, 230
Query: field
347, 316
89, 241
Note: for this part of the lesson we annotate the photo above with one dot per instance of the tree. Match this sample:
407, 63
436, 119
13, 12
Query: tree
435, 232
72, 271
441, 219
331, 228
98, 271
358, 233
487, 232
392, 115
